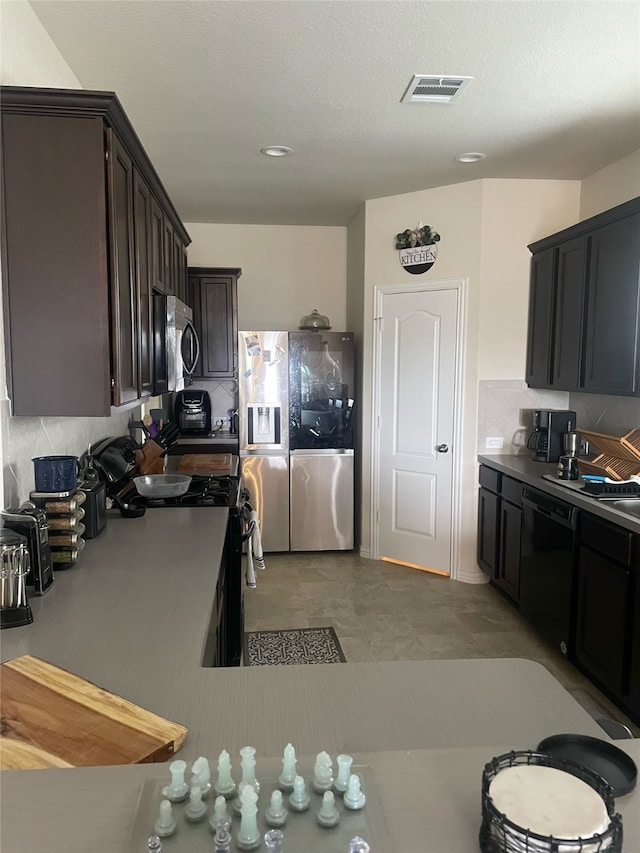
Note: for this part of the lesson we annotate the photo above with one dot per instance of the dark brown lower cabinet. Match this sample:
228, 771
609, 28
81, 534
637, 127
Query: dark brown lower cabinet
500, 530
607, 644
605, 600
602, 617
488, 519
508, 578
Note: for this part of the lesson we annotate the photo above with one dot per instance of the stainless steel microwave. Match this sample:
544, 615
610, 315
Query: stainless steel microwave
175, 344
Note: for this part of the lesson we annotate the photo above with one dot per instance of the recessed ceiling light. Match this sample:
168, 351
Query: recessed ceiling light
276, 151
471, 157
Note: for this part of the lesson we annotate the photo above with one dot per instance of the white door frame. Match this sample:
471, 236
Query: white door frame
459, 285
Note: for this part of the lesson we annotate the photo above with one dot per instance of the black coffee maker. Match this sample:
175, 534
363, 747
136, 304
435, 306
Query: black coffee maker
549, 427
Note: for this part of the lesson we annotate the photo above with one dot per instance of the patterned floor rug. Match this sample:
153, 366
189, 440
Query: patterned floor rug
293, 647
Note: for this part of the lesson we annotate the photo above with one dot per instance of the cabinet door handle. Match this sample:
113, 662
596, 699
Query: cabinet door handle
442, 448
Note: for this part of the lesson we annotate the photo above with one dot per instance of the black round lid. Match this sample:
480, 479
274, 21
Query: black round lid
613, 764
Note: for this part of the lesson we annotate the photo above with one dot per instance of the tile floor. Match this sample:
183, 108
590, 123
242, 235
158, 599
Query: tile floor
382, 611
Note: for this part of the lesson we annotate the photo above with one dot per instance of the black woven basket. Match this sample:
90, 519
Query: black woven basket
500, 835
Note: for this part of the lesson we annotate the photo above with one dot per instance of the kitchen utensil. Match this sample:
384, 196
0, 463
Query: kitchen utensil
568, 467
611, 490
204, 462
14, 566
59, 719
571, 442
55, 473
615, 766
129, 502
115, 460
162, 485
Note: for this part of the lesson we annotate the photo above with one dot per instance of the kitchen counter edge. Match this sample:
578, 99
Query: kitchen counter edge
526, 470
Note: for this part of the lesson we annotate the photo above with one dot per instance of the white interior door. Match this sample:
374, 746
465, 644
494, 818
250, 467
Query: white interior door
417, 350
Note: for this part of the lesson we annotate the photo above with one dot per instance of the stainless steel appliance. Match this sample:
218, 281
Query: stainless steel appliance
193, 412
14, 566
321, 401
263, 420
182, 345
296, 436
549, 427
31, 522
571, 443
547, 565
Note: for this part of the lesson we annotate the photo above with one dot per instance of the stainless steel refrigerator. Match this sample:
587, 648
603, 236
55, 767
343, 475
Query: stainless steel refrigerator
263, 422
296, 402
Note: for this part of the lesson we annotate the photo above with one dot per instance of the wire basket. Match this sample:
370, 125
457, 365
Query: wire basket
500, 835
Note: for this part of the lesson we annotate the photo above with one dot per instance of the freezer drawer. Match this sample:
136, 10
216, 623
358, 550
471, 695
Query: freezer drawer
322, 500
267, 478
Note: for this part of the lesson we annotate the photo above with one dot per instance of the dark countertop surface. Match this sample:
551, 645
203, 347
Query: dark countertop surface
535, 474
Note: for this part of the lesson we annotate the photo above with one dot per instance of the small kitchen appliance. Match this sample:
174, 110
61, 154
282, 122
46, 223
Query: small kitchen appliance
193, 412
571, 443
30, 521
568, 462
95, 508
14, 567
549, 427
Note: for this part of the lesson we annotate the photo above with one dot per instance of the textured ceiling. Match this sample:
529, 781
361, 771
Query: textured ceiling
555, 94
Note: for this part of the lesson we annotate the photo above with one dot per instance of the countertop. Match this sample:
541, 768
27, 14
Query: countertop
624, 513
132, 616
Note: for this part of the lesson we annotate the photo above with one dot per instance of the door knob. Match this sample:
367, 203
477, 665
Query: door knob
442, 448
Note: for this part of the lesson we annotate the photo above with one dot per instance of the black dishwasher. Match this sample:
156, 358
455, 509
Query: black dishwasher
547, 566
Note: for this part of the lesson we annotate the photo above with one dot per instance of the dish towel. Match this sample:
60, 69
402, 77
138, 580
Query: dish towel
254, 548
256, 541
250, 573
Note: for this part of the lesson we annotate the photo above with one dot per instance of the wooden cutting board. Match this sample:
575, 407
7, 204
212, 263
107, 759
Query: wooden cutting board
52, 718
218, 462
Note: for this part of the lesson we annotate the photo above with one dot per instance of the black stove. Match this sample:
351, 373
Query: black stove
205, 491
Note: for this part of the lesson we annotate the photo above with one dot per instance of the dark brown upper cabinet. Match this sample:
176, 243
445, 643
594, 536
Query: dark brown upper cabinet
584, 319
215, 311
79, 252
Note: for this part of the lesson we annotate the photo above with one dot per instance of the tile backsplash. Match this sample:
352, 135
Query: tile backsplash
505, 410
609, 415
223, 395
24, 438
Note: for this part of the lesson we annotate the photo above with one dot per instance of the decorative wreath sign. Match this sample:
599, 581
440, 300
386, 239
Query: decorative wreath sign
418, 249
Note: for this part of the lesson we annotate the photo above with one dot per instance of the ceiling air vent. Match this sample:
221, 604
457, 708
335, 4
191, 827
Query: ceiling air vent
431, 89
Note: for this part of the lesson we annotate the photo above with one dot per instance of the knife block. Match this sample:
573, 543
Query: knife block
150, 458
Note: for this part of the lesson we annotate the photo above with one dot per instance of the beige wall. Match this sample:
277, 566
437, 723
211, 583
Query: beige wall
28, 57
485, 227
355, 323
514, 214
616, 183
286, 270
